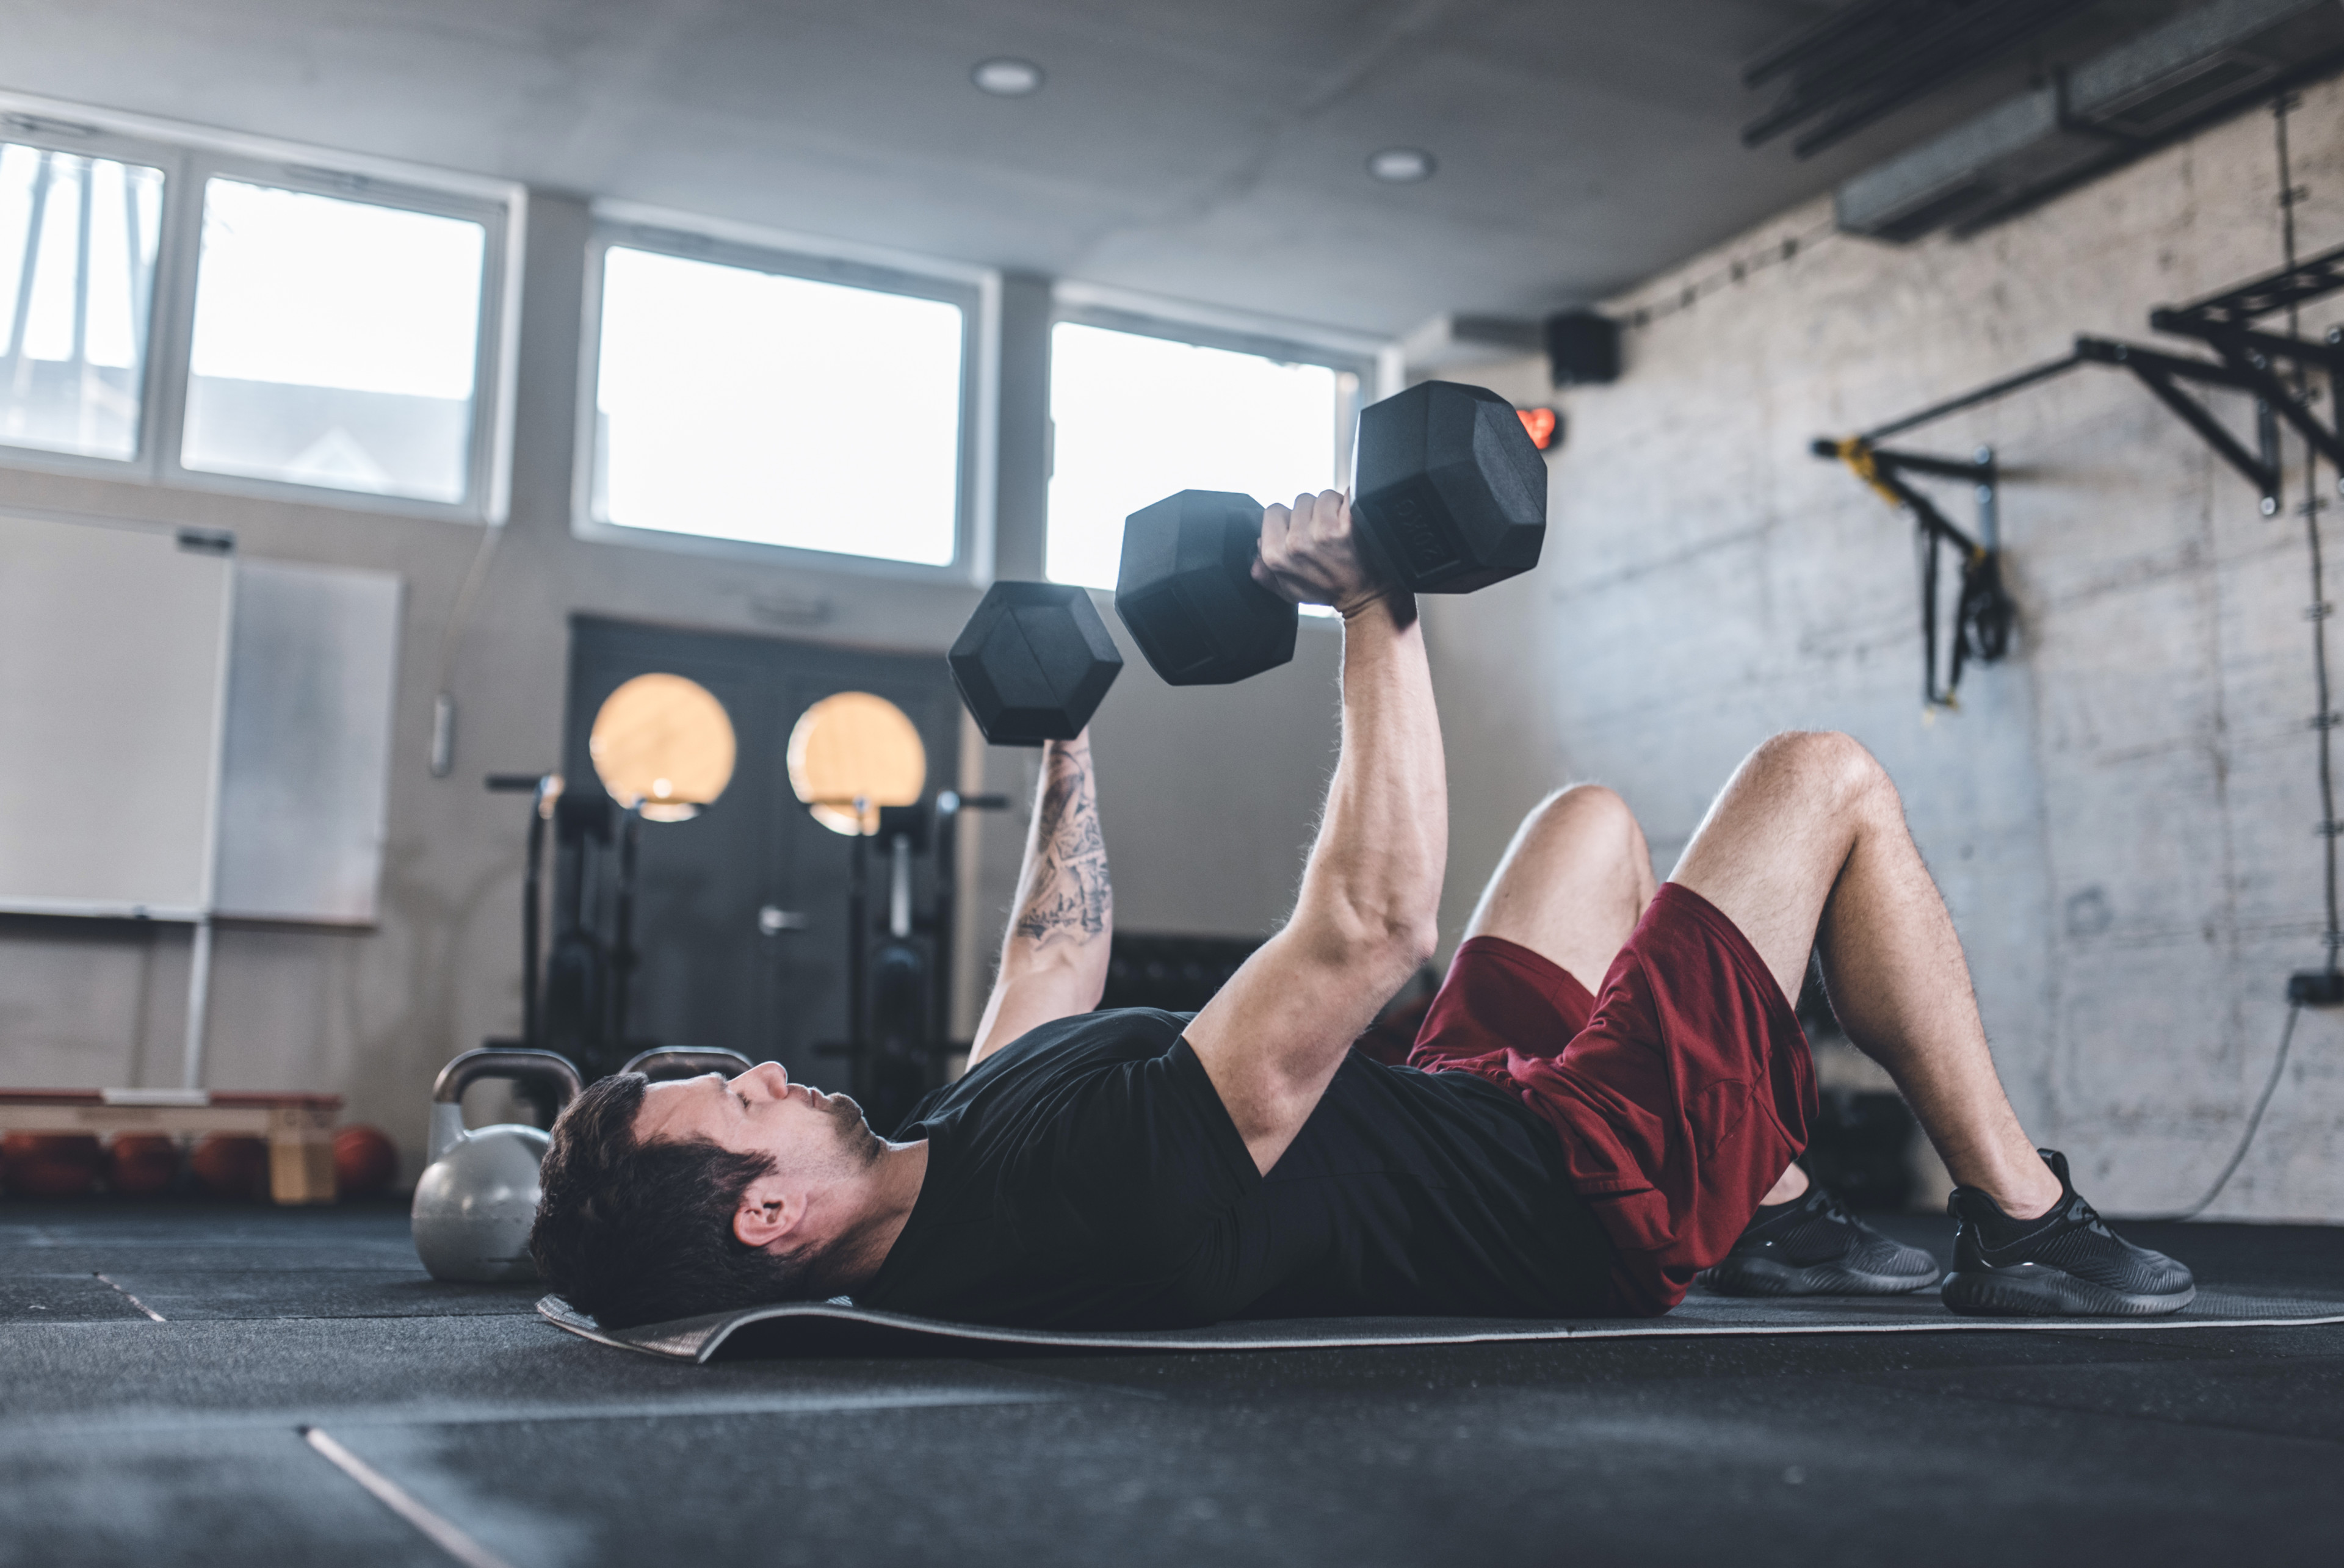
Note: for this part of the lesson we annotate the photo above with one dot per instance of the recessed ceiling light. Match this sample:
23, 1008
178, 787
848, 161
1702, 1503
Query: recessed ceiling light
1008, 78
1402, 165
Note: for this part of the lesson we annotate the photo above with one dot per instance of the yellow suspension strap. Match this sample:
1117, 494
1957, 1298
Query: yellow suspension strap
1856, 454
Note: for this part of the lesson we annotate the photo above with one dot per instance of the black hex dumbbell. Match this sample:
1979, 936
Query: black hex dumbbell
1451, 496
1187, 595
1033, 663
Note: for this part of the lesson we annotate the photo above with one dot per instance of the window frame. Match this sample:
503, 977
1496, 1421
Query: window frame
189, 157
1374, 363
975, 289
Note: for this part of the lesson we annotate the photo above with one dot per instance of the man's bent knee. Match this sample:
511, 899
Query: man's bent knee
1584, 810
1580, 800
1825, 768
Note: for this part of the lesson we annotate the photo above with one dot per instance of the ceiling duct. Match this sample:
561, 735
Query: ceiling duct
2093, 117
1873, 57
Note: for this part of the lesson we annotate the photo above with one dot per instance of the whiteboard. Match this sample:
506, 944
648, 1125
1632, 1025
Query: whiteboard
313, 672
114, 645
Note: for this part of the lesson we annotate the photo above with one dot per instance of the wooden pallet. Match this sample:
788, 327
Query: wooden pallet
299, 1128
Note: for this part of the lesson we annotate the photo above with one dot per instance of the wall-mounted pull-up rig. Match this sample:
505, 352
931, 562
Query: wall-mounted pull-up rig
2274, 368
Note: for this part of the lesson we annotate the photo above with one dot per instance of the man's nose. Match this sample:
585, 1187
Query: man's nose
767, 1080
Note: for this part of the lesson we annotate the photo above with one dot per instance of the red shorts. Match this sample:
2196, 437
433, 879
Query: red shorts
1681, 1092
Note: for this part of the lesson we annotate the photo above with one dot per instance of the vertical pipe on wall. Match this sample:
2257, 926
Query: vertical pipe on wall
199, 990
1022, 467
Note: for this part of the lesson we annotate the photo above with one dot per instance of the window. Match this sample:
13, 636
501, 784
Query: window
77, 244
335, 343
1138, 416
759, 398
333, 331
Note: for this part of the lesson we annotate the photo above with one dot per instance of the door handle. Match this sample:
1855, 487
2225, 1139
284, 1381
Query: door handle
773, 920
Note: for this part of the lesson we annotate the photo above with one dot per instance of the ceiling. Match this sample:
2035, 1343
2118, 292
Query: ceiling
1211, 150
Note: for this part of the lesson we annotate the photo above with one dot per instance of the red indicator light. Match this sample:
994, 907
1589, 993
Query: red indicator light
1540, 422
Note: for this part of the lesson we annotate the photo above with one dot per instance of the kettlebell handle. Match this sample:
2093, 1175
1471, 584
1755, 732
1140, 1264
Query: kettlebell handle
687, 1062
504, 1063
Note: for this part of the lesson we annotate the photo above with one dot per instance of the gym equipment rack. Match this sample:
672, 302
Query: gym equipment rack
2247, 359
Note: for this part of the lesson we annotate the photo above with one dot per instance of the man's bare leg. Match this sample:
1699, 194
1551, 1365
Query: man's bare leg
1806, 847
1573, 882
1571, 888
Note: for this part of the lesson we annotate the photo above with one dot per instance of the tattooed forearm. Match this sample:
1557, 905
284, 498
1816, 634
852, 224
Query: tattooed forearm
1064, 896
1054, 955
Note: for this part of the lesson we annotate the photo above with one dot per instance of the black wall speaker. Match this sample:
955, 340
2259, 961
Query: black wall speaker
1583, 349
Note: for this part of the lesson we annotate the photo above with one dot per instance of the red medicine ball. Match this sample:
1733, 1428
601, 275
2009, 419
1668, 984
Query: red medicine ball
232, 1165
142, 1164
49, 1164
364, 1161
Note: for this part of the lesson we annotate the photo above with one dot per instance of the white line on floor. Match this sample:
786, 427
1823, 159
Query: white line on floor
133, 1299
397, 1498
27, 1432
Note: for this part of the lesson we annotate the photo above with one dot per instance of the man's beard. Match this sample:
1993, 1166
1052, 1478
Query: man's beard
855, 1137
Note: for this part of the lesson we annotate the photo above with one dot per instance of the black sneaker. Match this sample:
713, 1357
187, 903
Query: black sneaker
1814, 1246
2065, 1262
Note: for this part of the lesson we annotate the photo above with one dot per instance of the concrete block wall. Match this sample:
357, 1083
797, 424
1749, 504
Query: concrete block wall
2121, 815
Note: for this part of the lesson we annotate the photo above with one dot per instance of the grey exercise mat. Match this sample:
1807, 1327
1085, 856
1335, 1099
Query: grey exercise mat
795, 1329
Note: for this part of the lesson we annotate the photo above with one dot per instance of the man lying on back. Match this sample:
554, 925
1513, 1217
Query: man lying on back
1606, 1099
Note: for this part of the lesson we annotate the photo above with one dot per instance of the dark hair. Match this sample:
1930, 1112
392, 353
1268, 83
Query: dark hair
634, 1232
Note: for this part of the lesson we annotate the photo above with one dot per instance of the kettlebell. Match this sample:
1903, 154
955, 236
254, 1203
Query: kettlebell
663, 1062
477, 1196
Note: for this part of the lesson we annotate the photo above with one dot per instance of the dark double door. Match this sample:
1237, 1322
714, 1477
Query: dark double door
740, 922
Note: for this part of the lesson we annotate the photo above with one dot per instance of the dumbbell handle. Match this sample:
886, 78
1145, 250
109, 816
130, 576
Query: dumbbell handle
1374, 550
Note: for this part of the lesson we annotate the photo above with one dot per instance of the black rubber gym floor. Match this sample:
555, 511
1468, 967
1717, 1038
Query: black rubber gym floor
203, 1437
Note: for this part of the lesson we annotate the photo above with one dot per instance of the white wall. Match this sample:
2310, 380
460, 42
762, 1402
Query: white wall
2122, 814
1210, 796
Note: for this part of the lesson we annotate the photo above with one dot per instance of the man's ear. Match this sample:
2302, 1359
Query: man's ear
768, 1212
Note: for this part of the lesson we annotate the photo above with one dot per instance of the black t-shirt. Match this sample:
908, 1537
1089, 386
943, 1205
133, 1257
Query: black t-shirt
1088, 1176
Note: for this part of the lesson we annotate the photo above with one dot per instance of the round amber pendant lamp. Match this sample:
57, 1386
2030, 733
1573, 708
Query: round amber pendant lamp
851, 754
663, 745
